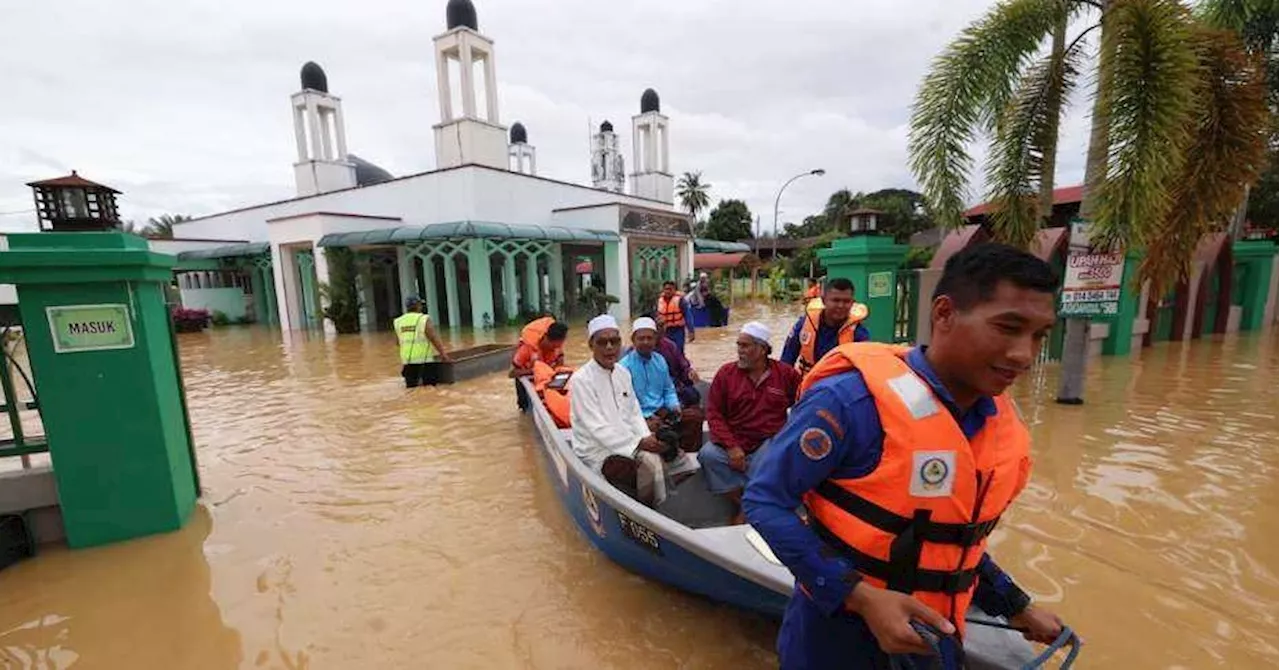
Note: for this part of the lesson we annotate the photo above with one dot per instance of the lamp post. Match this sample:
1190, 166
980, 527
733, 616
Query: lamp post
817, 173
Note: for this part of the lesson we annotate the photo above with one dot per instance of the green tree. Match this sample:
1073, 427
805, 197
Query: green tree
730, 221
904, 212
341, 299
161, 228
693, 193
1179, 118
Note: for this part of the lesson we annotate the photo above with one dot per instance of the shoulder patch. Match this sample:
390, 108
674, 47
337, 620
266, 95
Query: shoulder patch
826, 415
815, 443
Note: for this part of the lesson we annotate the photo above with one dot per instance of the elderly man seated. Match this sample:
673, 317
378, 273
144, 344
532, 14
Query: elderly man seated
747, 405
656, 389
609, 431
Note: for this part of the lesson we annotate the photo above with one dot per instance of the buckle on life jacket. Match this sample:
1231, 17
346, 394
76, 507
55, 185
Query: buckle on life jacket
902, 572
960, 534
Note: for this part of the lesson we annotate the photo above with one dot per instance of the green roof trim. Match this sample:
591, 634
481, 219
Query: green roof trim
227, 251
704, 245
466, 230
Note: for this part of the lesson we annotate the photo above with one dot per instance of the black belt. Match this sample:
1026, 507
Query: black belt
901, 572
961, 534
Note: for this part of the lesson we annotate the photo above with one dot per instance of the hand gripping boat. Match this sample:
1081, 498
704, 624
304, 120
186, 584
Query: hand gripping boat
687, 543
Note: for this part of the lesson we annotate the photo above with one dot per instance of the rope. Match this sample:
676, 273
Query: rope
934, 638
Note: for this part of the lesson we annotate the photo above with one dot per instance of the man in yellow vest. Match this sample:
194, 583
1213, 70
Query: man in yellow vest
905, 460
419, 343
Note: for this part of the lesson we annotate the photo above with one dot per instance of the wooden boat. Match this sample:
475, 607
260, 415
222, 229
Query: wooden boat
470, 363
687, 542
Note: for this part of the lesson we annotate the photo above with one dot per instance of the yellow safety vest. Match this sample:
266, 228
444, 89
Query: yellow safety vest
411, 330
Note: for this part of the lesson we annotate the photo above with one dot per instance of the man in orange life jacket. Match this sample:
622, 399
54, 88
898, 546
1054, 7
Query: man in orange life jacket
540, 340
837, 322
905, 460
673, 311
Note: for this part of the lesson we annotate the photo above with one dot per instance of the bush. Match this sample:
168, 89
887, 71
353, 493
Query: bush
596, 300
342, 300
220, 318
190, 320
644, 295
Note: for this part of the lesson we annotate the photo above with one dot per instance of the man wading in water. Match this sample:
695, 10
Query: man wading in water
419, 343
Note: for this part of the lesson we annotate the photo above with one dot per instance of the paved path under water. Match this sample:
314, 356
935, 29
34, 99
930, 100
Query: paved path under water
350, 523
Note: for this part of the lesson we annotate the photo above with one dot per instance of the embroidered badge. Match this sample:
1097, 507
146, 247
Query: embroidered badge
815, 443
933, 473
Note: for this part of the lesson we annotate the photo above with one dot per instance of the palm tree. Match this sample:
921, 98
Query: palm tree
1169, 88
132, 228
693, 194
162, 228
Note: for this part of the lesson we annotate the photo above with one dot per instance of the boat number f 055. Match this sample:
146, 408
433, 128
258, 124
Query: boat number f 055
639, 534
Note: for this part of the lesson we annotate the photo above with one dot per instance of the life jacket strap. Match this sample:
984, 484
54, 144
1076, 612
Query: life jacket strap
960, 534
897, 573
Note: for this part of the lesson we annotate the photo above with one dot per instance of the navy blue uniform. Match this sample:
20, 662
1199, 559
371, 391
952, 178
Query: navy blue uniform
828, 339
817, 632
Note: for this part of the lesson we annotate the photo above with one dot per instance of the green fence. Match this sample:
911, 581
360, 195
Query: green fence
906, 301
19, 402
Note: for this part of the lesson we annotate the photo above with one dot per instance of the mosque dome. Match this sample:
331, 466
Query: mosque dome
518, 133
649, 101
313, 77
367, 173
461, 13
606, 127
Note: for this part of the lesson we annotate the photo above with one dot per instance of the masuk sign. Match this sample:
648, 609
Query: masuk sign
89, 327
1091, 287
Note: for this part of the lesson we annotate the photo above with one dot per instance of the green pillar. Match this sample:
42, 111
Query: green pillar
259, 294
429, 285
451, 290
555, 275
106, 373
532, 283
510, 299
1258, 257
613, 284
871, 263
481, 286
1119, 340
268, 279
306, 273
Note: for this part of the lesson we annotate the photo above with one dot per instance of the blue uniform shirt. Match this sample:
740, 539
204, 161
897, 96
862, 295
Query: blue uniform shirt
816, 631
828, 338
651, 379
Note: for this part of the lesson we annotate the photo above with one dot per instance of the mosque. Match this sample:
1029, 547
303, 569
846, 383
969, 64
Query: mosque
482, 237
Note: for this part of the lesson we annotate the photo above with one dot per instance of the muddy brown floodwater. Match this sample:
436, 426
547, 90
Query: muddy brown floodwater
350, 523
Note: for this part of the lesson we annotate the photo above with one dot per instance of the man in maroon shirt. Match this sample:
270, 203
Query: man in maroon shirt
747, 405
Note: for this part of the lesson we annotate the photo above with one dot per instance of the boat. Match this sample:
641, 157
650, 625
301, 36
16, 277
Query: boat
470, 363
687, 542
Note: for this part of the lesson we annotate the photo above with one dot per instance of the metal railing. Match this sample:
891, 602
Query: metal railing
904, 313
19, 443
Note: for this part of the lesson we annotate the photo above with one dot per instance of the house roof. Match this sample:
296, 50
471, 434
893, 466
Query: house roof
463, 230
227, 251
715, 261
72, 179
703, 244
1061, 196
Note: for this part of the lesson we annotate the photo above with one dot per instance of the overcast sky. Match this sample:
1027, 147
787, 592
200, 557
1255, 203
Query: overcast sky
184, 105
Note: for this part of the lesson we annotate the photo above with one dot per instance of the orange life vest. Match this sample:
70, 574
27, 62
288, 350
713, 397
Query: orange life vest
812, 292
531, 337
669, 311
809, 333
555, 400
918, 523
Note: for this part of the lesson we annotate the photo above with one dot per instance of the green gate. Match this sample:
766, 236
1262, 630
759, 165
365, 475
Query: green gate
905, 302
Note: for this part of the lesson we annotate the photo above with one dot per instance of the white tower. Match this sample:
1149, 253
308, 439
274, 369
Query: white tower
467, 136
607, 168
649, 144
522, 157
321, 135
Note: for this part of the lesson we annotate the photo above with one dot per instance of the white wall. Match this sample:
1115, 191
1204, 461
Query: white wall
230, 301
175, 247
467, 193
594, 218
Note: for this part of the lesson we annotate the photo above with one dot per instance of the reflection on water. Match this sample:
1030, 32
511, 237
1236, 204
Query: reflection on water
349, 522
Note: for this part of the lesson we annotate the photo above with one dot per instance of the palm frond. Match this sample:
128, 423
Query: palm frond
1150, 67
971, 77
1227, 151
1021, 159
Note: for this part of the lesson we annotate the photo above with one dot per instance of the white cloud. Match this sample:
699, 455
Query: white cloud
183, 106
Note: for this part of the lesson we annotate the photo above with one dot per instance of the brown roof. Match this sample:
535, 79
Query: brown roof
865, 210
1048, 241
72, 179
1061, 196
954, 243
715, 261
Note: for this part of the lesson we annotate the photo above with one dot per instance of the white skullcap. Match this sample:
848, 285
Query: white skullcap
757, 331
602, 322
643, 323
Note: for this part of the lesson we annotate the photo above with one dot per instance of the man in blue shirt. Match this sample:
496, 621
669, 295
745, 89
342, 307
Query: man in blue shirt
991, 312
837, 321
649, 373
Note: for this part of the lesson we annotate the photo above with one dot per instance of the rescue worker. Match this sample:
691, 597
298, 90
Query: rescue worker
836, 320
419, 343
553, 390
673, 312
540, 340
812, 292
905, 460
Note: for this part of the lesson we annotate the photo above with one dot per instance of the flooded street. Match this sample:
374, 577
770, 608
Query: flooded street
350, 523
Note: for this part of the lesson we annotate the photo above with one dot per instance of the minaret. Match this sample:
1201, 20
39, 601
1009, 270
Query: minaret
521, 156
607, 169
321, 135
468, 135
649, 144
